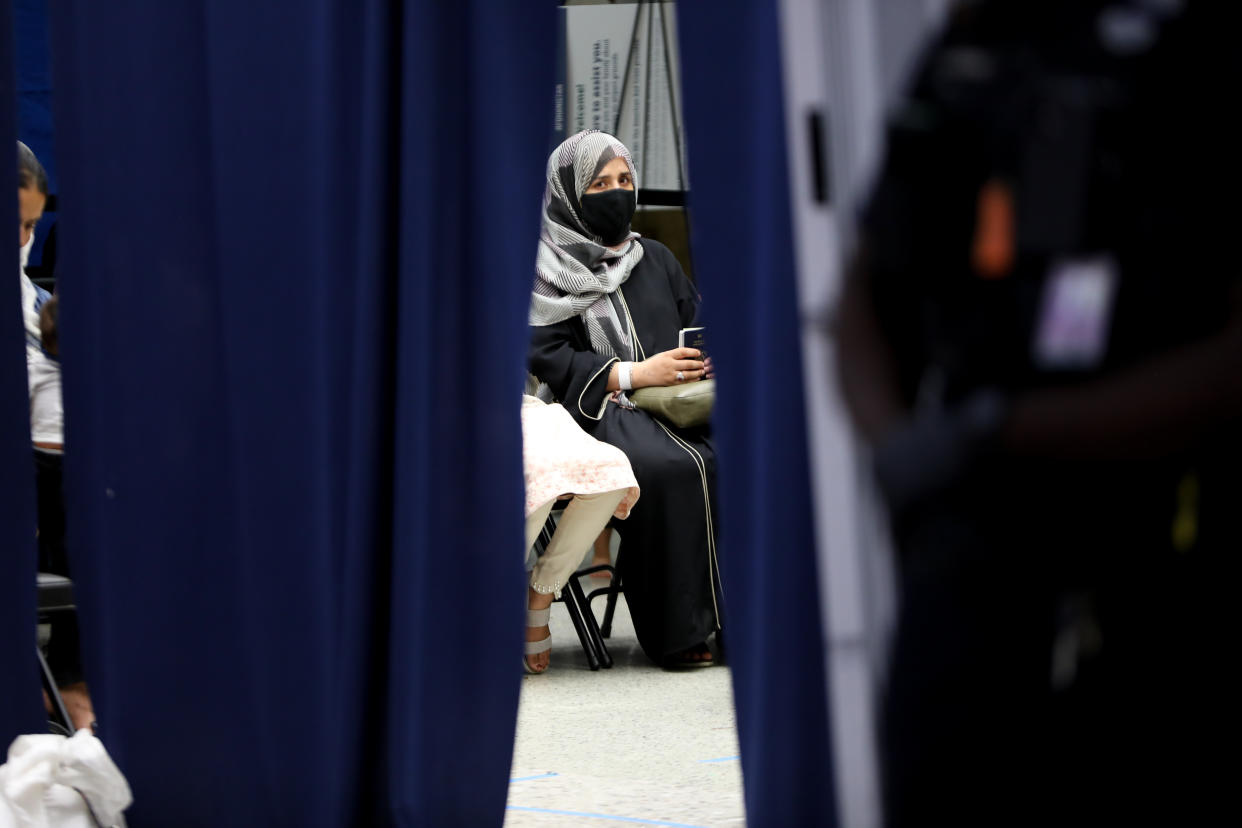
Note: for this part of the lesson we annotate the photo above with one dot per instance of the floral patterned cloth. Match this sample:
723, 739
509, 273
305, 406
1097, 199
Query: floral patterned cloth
560, 459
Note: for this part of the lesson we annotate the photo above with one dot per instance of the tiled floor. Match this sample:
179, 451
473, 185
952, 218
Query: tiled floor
632, 745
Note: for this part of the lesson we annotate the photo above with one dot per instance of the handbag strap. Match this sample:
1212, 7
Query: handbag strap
629, 322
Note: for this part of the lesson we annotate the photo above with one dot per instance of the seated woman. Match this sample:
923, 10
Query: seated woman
605, 316
40, 315
560, 459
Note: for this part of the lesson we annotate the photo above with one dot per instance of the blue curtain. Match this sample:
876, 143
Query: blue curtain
20, 711
34, 105
735, 139
34, 82
297, 249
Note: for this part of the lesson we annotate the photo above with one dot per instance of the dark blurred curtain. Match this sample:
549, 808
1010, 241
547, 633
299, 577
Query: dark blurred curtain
34, 83
296, 257
34, 121
19, 678
742, 239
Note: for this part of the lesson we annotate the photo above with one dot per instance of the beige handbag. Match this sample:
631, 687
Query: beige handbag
685, 406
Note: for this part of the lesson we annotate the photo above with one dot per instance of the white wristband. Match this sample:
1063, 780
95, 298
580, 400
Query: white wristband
623, 375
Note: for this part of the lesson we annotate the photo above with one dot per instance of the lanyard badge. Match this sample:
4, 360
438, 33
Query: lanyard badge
1072, 329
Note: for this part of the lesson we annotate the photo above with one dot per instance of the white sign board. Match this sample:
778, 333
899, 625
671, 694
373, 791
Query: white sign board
601, 43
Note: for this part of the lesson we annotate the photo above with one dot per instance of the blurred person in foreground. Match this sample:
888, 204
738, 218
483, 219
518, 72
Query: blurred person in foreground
1041, 340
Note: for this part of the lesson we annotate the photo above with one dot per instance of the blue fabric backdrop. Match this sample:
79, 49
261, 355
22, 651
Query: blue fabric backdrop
297, 249
34, 99
20, 711
34, 81
735, 139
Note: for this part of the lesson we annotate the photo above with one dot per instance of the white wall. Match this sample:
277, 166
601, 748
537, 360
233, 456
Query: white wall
847, 60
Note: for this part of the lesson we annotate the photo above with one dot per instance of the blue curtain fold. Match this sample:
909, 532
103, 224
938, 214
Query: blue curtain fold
34, 83
20, 710
735, 141
34, 105
297, 249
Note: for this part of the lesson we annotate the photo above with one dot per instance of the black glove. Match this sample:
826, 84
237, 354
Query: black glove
934, 450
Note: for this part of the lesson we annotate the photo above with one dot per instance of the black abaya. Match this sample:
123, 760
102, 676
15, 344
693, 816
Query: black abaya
667, 556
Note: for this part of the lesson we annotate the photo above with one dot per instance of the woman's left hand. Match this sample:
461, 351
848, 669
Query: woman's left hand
708, 371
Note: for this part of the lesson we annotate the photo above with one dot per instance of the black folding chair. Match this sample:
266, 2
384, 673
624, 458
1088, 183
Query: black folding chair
613, 589
55, 595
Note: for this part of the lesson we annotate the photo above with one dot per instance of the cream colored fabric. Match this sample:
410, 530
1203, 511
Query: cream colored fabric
582, 521
47, 415
558, 457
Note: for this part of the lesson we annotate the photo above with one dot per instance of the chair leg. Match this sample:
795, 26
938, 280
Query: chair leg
584, 637
612, 590
60, 716
610, 608
546, 533
597, 640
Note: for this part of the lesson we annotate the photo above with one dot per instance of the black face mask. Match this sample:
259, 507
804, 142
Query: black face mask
609, 213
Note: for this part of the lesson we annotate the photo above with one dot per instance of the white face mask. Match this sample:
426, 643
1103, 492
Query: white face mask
26, 248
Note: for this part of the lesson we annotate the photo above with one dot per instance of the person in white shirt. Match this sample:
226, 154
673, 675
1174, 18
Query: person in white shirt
47, 416
39, 315
42, 364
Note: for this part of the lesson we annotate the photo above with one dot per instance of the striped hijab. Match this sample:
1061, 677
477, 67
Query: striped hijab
575, 273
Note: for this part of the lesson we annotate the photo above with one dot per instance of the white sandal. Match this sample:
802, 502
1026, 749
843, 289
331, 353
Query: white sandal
537, 618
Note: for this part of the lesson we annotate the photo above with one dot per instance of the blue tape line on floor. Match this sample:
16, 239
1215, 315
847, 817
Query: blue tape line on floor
602, 816
528, 778
721, 759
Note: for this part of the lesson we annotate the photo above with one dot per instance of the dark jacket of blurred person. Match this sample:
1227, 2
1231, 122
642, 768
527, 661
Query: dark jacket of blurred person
1041, 339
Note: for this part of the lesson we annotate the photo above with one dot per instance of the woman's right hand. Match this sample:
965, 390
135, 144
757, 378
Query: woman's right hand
662, 369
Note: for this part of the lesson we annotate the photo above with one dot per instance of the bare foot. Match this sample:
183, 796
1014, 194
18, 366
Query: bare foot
697, 656
603, 554
537, 601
